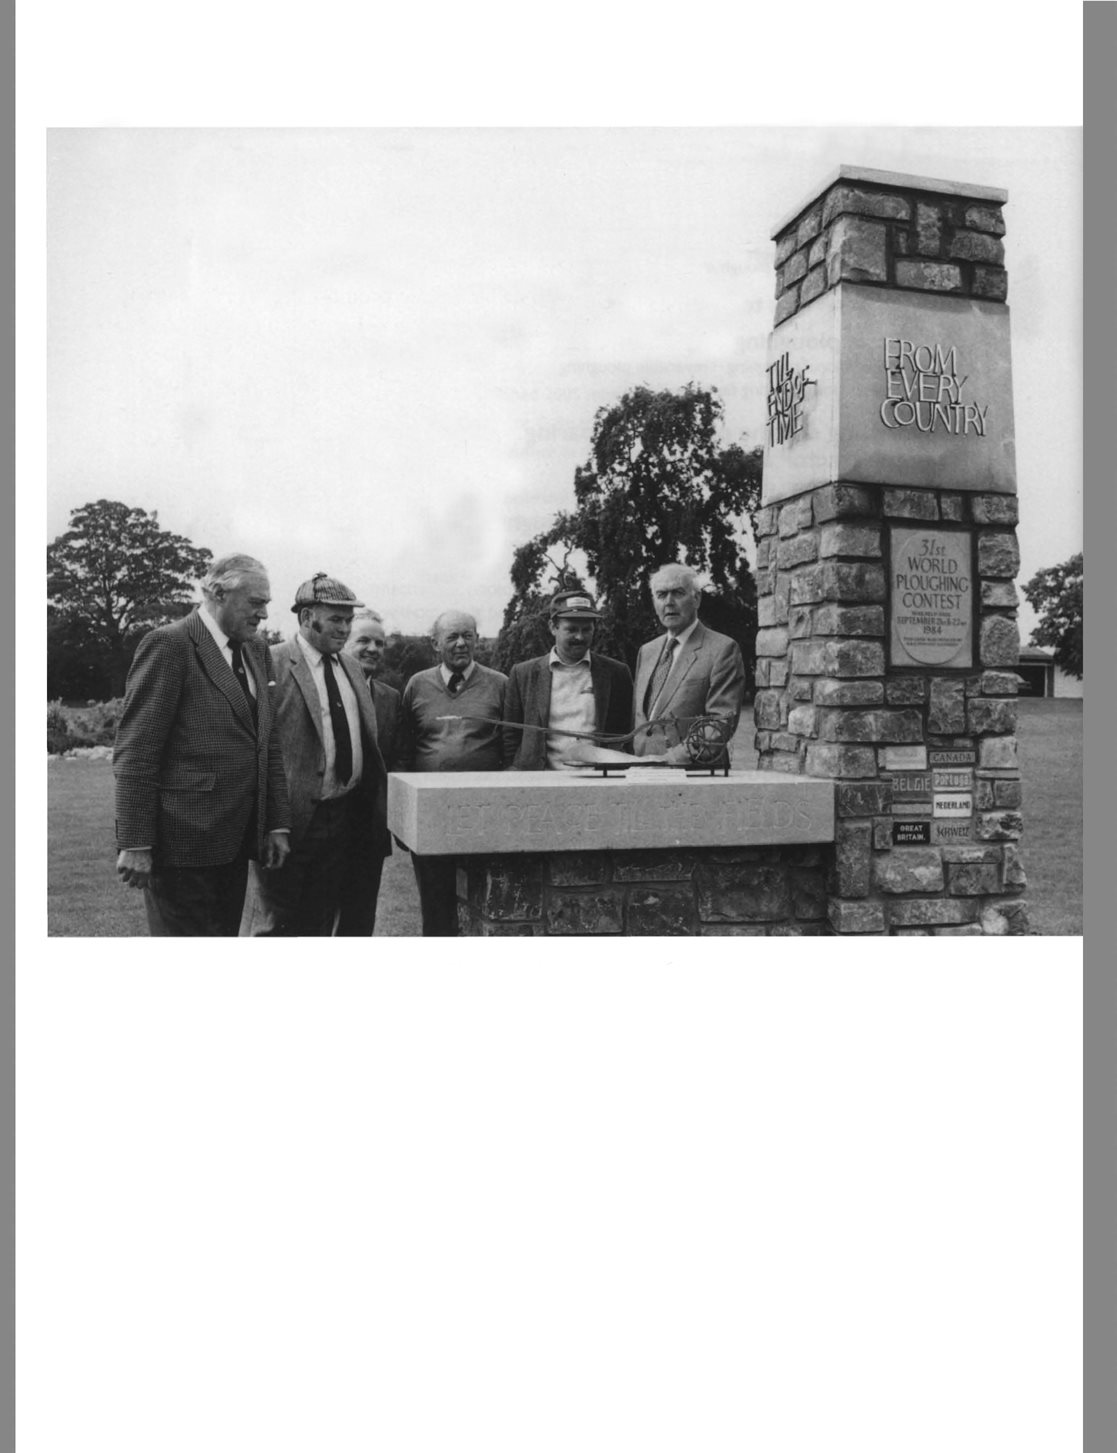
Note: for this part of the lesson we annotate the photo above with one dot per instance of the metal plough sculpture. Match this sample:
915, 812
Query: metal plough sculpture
705, 739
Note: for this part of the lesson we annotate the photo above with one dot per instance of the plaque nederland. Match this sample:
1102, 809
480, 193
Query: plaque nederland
953, 804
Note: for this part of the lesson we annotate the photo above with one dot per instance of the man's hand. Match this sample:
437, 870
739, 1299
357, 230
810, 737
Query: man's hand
276, 848
133, 866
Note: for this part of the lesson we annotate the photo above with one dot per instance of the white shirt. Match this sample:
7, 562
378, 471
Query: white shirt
572, 706
223, 644
446, 673
331, 787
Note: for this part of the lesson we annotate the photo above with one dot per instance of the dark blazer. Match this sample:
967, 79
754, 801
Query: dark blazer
528, 699
190, 766
386, 704
707, 679
298, 719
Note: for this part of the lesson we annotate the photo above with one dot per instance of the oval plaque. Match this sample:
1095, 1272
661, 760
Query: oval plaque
931, 598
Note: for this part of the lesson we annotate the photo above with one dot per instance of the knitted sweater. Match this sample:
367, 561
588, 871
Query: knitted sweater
430, 745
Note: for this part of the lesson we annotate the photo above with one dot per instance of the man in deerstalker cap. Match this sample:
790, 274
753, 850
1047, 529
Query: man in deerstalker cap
335, 775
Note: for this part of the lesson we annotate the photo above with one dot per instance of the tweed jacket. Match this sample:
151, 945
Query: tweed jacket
298, 719
707, 679
528, 699
189, 764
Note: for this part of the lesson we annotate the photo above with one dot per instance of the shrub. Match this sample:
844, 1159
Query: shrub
58, 728
95, 725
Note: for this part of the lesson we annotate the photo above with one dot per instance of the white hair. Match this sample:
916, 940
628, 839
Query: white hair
436, 628
682, 572
366, 613
228, 573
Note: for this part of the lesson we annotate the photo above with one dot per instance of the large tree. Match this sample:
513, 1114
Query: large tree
658, 486
115, 574
1055, 594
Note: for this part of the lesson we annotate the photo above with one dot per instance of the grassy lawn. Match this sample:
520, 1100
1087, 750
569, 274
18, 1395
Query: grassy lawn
86, 901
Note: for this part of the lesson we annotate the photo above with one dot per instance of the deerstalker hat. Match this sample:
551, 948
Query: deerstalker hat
573, 605
323, 589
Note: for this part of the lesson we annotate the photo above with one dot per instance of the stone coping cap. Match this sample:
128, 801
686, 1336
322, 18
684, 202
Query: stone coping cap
904, 180
479, 813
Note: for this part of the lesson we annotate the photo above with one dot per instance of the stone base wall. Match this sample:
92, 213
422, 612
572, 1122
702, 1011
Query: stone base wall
766, 891
828, 704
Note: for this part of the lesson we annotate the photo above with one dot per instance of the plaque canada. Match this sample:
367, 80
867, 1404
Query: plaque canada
931, 598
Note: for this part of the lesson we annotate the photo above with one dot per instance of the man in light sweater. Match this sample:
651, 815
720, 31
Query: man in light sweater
448, 723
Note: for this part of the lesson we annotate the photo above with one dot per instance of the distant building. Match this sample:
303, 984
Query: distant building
1041, 677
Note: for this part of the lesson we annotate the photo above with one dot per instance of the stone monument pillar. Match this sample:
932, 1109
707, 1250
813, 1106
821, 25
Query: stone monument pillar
887, 549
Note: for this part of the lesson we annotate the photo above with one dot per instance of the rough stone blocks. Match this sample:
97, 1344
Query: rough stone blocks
998, 555
747, 893
585, 913
908, 870
655, 910
999, 641
859, 915
933, 277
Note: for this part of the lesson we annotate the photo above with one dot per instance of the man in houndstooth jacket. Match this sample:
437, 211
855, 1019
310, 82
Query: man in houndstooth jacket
200, 787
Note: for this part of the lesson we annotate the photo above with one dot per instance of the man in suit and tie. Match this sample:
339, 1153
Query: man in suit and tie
335, 776
571, 689
200, 787
688, 672
365, 867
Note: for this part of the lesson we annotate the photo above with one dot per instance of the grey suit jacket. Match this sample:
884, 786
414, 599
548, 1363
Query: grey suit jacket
299, 729
707, 679
190, 765
528, 699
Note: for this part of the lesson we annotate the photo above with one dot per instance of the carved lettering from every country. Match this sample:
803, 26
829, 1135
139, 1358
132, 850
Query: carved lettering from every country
923, 390
787, 388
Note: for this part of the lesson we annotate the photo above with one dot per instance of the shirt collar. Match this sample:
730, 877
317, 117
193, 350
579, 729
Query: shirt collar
684, 636
556, 660
446, 673
212, 627
312, 653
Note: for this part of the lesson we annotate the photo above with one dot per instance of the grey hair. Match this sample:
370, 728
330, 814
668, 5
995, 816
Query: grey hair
366, 613
445, 613
688, 576
228, 573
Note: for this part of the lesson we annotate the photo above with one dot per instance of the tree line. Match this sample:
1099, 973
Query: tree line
659, 484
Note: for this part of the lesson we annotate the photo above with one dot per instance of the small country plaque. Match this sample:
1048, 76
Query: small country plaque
905, 833
911, 786
945, 831
952, 779
951, 756
912, 809
953, 804
905, 759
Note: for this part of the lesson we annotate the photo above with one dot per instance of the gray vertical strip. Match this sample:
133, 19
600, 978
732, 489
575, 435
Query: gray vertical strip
7, 717
1100, 806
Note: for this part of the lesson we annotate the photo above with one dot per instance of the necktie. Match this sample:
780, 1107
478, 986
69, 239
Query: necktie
241, 674
659, 676
454, 685
343, 742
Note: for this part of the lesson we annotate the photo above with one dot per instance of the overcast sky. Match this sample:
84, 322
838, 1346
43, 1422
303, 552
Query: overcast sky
379, 352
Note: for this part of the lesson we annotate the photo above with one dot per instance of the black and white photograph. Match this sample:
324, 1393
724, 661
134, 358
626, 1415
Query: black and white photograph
614, 531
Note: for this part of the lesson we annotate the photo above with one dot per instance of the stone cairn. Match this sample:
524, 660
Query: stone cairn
830, 703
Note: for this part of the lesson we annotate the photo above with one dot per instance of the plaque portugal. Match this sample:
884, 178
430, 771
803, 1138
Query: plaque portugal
931, 585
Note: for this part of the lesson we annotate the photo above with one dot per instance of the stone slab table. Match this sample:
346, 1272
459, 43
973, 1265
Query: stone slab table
652, 851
